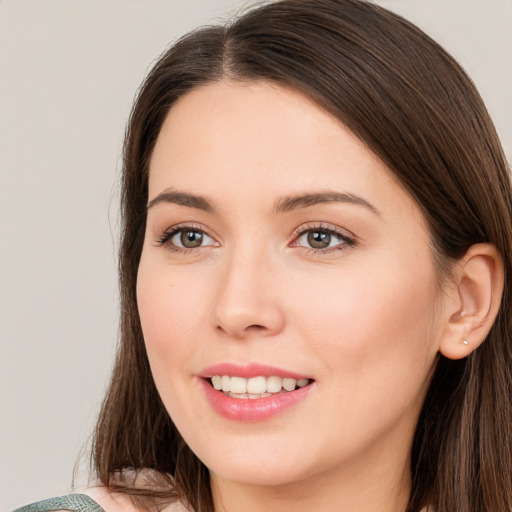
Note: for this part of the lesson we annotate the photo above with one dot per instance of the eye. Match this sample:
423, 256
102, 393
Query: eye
184, 238
318, 238
188, 239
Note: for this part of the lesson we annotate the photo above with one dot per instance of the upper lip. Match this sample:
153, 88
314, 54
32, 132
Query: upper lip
248, 371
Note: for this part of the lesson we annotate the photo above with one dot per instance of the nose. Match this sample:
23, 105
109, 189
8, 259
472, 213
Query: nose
248, 302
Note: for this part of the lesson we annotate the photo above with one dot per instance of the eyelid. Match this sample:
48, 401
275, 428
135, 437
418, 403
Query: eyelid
320, 225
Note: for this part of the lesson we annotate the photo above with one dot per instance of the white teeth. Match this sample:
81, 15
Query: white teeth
274, 384
289, 384
255, 387
226, 382
217, 381
238, 385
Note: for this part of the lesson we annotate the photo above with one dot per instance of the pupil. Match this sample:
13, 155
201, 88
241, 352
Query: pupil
319, 239
191, 239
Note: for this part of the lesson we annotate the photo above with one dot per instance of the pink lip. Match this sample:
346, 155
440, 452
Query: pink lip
248, 371
251, 409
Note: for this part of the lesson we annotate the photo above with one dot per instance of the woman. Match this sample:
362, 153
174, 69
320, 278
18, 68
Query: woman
315, 270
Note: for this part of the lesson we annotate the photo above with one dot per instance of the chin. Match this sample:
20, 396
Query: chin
274, 462
262, 475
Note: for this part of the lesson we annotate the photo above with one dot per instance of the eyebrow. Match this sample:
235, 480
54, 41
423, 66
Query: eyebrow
282, 205
288, 203
183, 199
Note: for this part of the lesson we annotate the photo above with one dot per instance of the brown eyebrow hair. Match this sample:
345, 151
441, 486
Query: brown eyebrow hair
183, 199
282, 204
288, 203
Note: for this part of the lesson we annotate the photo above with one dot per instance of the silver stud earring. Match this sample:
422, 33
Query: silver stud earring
465, 342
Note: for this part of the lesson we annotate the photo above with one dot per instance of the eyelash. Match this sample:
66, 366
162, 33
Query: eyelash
164, 239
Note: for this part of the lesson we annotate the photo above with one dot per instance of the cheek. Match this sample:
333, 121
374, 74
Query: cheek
170, 308
371, 335
170, 298
368, 324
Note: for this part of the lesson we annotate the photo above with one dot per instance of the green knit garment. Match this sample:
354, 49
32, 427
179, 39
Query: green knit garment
72, 502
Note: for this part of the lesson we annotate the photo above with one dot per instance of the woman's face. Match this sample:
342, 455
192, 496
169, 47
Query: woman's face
279, 248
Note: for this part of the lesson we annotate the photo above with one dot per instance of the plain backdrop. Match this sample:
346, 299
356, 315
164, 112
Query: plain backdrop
68, 73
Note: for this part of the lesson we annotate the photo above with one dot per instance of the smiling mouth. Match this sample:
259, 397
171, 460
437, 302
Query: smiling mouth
256, 387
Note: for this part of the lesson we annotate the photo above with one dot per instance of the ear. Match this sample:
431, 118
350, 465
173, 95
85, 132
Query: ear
472, 309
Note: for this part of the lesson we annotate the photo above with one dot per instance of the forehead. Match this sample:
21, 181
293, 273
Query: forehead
252, 140
227, 118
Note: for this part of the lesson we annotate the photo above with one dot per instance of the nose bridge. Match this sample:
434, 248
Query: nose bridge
246, 299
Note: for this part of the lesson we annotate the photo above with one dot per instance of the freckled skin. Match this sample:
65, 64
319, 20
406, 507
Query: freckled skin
362, 319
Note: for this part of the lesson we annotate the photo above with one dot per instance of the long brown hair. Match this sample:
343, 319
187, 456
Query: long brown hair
416, 109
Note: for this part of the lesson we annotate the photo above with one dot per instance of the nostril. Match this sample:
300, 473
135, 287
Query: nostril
248, 329
255, 327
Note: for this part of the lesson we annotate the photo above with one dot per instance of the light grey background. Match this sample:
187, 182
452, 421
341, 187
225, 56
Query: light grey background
68, 73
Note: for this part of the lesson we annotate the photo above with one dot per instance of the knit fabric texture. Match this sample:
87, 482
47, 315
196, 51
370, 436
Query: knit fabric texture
72, 502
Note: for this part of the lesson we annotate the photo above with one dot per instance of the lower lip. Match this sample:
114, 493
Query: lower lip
252, 409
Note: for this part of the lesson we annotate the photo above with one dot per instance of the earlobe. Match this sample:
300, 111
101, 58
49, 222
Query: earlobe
479, 280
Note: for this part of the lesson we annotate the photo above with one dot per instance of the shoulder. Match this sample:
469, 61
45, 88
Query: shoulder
93, 499
142, 479
120, 502
110, 502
